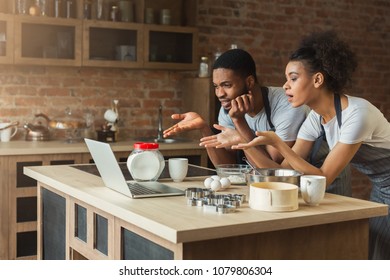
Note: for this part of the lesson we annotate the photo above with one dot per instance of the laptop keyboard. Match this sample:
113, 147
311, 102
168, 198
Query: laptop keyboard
138, 189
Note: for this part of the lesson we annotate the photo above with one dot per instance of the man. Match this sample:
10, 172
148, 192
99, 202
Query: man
246, 107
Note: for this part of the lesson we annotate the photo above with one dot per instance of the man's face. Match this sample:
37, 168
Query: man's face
228, 86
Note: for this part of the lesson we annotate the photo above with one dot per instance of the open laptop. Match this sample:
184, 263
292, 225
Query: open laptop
114, 179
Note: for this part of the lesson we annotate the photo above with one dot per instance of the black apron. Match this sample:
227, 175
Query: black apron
342, 184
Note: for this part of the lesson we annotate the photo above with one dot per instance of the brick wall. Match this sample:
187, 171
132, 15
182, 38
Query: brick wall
269, 30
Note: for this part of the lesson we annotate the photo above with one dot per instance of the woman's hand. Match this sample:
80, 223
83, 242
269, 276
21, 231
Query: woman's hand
226, 138
189, 121
263, 138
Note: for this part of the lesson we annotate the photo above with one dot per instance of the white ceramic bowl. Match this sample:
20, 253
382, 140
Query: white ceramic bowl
234, 172
273, 196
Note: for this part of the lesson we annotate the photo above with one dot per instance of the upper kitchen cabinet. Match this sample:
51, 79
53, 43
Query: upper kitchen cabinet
6, 38
170, 35
154, 35
143, 34
167, 47
112, 44
47, 41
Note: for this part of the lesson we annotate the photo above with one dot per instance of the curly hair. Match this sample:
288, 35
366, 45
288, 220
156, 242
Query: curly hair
324, 52
238, 60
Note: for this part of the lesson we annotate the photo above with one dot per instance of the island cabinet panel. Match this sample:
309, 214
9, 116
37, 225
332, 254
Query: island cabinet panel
94, 234
21, 208
136, 247
135, 243
80, 230
90, 232
53, 225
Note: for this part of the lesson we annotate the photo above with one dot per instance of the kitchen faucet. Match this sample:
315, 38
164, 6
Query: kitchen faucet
160, 126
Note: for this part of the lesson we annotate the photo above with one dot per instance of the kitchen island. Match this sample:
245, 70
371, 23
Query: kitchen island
18, 200
79, 218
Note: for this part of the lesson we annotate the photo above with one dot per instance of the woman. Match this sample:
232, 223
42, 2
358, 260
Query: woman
317, 75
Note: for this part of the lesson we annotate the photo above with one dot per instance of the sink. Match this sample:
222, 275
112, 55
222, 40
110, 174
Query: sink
159, 137
163, 140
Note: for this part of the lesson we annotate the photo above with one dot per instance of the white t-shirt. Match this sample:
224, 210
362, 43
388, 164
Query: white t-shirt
361, 122
286, 119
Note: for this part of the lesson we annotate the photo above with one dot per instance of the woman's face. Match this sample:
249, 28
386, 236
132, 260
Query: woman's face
228, 86
299, 85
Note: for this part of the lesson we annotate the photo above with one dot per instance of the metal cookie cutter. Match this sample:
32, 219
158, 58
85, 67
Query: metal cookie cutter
225, 209
214, 203
197, 192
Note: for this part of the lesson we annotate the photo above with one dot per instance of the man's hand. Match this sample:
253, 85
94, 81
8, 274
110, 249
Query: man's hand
189, 121
241, 105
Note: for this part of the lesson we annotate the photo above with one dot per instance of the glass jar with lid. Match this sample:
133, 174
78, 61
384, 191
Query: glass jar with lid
114, 13
204, 67
145, 163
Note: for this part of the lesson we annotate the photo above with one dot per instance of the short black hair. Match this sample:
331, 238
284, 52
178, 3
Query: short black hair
326, 53
238, 60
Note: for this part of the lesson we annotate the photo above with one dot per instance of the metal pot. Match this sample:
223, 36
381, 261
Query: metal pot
38, 131
273, 175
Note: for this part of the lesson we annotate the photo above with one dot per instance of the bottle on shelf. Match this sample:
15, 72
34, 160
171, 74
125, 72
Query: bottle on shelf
21, 7
34, 9
114, 13
70, 9
58, 10
87, 9
204, 67
165, 17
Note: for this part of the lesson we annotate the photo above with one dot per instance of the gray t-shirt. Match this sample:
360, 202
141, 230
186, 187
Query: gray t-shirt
286, 119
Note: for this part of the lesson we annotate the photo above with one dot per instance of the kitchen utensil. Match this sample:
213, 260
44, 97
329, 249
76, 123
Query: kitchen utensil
273, 196
38, 130
273, 175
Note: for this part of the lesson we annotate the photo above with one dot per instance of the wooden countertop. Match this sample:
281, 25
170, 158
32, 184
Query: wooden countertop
22, 147
172, 219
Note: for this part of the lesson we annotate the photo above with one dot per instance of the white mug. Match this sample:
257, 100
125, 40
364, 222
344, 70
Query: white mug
8, 133
178, 168
313, 188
